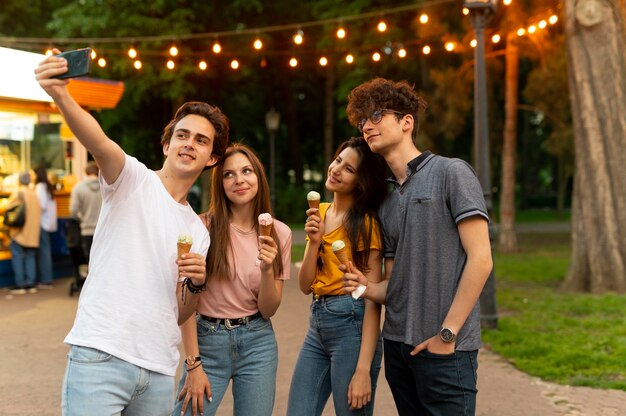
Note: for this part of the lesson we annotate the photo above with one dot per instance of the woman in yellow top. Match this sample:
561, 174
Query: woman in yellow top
342, 349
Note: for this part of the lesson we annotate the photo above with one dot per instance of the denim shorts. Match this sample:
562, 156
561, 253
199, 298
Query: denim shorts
97, 383
247, 355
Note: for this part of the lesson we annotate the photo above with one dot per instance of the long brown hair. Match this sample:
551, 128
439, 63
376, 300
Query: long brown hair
218, 216
370, 191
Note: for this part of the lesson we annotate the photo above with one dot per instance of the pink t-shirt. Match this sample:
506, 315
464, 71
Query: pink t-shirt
236, 296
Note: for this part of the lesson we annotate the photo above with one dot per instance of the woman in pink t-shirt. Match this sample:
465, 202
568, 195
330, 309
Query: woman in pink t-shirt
231, 338
342, 349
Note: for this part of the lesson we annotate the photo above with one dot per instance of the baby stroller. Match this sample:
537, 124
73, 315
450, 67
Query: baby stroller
79, 261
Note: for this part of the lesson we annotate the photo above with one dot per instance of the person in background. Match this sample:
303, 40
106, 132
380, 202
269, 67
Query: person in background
124, 342
45, 193
342, 350
232, 336
85, 203
437, 257
25, 240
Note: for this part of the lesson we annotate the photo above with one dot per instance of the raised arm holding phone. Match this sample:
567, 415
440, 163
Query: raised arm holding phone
124, 342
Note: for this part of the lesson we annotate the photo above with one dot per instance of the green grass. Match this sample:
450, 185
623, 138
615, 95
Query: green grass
297, 252
575, 339
541, 215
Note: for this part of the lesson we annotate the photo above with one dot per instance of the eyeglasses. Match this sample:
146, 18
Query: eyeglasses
376, 117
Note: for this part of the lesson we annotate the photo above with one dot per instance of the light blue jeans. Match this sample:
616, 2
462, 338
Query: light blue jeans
328, 358
99, 384
45, 258
24, 262
248, 355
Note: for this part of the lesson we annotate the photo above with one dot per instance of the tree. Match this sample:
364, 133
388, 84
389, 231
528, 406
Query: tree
596, 44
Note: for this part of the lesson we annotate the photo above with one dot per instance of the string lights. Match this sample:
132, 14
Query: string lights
174, 56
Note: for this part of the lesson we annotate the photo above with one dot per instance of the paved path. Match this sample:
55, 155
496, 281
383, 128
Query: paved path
32, 363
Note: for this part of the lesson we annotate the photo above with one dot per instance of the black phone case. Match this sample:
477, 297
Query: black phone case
78, 63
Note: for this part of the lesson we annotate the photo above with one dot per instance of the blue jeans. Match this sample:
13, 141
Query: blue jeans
328, 358
24, 264
431, 384
45, 257
99, 384
247, 354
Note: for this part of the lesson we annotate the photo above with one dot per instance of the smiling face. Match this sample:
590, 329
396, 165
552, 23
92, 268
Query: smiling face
239, 179
191, 146
342, 172
388, 132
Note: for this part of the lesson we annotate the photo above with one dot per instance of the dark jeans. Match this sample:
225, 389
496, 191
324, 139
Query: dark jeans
86, 241
431, 384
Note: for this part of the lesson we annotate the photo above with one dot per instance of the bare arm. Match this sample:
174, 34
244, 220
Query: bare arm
197, 383
192, 265
108, 154
474, 235
360, 387
314, 229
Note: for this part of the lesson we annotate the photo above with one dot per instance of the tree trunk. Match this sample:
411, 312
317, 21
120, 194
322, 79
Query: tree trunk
596, 42
507, 238
329, 121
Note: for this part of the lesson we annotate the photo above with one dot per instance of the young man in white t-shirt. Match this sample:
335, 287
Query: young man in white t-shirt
124, 342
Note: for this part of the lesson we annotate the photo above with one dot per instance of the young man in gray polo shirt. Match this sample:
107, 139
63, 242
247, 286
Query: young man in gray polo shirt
437, 257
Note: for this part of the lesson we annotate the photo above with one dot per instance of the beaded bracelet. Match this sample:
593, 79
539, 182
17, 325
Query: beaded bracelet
188, 285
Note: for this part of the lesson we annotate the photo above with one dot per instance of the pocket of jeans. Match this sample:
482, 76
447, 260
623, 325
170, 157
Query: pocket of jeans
86, 355
428, 354
205, 327
259, 324
341, 306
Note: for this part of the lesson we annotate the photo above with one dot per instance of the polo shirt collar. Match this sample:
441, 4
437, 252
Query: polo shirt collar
411, 167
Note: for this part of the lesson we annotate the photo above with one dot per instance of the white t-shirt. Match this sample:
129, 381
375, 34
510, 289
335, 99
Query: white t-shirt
128, 305
48, 208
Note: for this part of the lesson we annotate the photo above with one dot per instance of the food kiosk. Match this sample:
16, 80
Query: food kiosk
32, 132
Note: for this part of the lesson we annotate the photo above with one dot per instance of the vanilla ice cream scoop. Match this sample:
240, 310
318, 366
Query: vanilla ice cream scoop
185, 239
313, 198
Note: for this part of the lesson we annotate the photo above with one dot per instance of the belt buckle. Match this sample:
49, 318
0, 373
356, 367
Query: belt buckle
228, 325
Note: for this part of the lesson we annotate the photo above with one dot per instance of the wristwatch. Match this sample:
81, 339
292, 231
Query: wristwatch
447, 335
191, 360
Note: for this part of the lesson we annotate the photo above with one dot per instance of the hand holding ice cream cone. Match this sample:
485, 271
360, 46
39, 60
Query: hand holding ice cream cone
342, 254
265, 228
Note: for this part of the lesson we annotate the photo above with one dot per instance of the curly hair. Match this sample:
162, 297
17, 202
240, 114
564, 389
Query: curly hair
381, 93
213, 114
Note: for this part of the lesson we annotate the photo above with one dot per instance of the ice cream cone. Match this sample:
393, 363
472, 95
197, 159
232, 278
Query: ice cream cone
342, 255
313, 198
183, 248
265, 229
341, 251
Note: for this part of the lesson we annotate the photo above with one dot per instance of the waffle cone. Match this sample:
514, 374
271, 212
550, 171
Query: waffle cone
265, 229
183, 248
314, 203
342, 255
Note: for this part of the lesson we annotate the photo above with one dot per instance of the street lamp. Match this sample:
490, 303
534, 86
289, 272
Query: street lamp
272, 122
481, 12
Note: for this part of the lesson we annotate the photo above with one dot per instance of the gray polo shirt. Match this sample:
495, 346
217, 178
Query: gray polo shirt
419, 222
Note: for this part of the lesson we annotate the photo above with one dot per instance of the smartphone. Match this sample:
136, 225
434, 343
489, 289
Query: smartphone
78, 63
